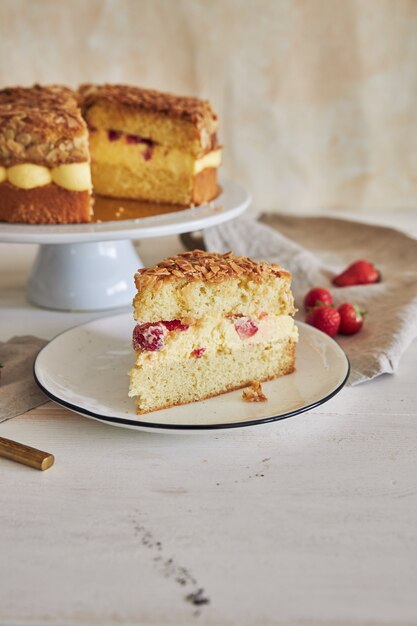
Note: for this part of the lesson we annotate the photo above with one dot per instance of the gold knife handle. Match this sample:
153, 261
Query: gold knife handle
25, 454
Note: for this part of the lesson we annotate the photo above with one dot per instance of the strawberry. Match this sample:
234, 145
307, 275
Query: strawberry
175, 325
358, 273
148, 336
325, 319
351, 318
245, 327
198, 352
317, 297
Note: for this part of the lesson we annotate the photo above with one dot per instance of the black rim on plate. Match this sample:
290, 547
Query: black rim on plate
158, 426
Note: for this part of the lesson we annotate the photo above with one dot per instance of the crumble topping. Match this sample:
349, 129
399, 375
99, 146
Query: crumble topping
254, 393
41, 125
208, 266
39, 96
194, 110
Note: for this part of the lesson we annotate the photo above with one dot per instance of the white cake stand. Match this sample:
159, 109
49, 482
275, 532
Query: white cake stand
87, 267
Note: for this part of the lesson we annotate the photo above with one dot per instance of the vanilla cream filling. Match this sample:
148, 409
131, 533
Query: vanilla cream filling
28, 175
219, 334
77, 176
211, 159
71, 176
137, 156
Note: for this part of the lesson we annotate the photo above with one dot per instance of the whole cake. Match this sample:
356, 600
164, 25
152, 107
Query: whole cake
44, 159
208, 323
144, 145
151, 145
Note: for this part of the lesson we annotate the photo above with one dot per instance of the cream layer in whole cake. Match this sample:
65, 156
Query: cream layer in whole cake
71, 176
130, 166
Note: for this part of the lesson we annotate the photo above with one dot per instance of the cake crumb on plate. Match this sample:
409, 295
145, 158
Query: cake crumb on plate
254, 393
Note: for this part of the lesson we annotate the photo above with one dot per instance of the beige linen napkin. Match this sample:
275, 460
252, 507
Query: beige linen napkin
18, 390
316, 248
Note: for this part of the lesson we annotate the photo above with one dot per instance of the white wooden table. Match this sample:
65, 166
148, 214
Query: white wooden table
309, 521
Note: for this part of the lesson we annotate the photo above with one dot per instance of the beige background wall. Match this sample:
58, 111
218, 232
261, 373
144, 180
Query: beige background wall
317, 98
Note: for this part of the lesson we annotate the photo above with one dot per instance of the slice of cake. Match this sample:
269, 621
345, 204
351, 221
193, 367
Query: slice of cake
150, 145
209, 323
44, 159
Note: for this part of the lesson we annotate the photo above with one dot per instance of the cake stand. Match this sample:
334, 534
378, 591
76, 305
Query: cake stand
86, 267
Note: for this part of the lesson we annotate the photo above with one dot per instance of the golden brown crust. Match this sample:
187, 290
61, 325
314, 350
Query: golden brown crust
41, 125
49, 204
288, 370
208, 266
193, 110
254, 393
205, 186
40, 96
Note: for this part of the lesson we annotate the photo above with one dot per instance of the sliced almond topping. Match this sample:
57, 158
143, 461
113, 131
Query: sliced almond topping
210, 266
236, 267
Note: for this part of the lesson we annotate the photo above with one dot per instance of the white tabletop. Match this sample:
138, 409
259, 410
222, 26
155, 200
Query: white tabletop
311, 521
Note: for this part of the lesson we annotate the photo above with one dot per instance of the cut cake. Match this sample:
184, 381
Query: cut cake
145, 145
150, 145
44, 159
206, 324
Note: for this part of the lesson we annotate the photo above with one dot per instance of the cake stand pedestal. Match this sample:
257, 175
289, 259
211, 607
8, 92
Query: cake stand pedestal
83, 276
86, 267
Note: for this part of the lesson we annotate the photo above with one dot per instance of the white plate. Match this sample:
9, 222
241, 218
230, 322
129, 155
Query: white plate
85, 369
231, 203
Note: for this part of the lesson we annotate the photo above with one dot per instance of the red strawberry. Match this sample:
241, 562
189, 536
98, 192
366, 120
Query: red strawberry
325, 319
359, 273
245, 327
175, 325
351, 318
317, 297
148, 336
198, 352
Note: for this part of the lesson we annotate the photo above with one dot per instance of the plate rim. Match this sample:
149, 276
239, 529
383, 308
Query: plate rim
119, 421
188, 219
